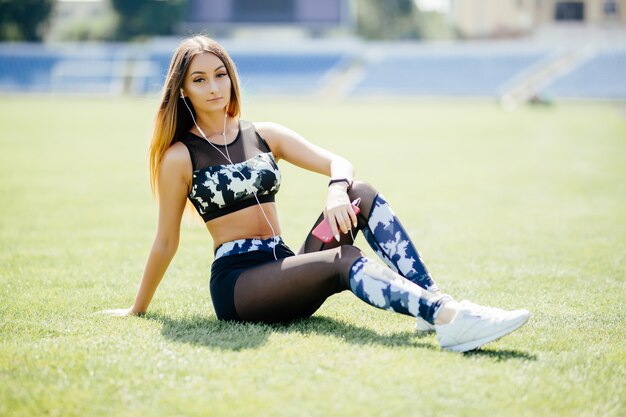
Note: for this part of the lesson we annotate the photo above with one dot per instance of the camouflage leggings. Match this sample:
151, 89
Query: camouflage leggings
296, 286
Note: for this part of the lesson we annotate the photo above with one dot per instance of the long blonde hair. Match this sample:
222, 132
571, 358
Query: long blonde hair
173, 119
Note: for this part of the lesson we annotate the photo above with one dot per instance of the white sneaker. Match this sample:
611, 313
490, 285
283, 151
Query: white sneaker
422, 326
476, 325
478, 308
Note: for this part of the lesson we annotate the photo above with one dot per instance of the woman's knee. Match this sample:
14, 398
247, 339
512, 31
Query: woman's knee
350, 253
362, 190
367, 193
344, 257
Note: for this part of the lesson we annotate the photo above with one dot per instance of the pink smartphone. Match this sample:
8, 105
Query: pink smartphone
323, 231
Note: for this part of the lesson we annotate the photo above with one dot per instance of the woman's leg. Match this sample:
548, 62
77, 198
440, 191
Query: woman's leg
296, 287
460, 327
384, 233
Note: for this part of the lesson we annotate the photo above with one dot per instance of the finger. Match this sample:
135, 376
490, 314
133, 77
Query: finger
332, 223
343, 222
332, 220
339, 216
103, 313
108, 311
352, 217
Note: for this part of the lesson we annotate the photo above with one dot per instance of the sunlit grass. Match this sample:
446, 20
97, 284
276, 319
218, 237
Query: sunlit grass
514, 209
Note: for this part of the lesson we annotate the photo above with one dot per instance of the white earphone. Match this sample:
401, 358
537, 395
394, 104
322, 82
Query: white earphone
182, 94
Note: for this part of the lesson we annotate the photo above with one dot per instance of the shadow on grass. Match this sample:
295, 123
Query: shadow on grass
210, 332
502, 355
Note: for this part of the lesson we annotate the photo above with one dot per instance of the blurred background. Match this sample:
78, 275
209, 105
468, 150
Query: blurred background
513, 51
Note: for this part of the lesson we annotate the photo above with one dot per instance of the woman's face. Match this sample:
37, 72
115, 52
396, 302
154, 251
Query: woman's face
207, 83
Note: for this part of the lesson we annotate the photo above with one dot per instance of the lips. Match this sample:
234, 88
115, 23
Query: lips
215, 99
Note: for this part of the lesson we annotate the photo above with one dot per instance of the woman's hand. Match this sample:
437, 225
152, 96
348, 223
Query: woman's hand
120, 312
339, 211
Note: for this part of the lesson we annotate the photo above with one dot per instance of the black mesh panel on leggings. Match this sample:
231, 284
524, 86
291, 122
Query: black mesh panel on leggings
293, 287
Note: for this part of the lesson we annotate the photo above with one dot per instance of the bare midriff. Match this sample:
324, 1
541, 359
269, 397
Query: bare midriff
247, 223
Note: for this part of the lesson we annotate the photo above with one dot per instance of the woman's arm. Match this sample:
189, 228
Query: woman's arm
292, 147
173, 184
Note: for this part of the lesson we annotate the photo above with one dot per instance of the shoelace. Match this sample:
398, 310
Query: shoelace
480, 309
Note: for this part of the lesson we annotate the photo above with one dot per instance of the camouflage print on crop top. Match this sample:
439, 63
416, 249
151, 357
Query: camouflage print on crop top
217, 187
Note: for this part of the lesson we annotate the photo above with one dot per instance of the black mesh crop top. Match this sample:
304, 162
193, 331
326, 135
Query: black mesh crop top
219, 188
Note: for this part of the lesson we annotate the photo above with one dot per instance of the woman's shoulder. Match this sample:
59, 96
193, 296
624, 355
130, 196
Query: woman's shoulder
274, 132
267, 128
267, 133
176, 157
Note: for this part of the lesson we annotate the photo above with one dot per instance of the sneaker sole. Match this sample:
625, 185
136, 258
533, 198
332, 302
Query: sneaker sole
474, 344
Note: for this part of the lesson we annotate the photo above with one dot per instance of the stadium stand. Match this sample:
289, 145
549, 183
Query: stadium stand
69, 69
446, 72
149, 72
271, 73
401, 69
602, 76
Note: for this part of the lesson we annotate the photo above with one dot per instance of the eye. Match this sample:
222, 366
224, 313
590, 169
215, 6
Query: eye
198, 80
222, 74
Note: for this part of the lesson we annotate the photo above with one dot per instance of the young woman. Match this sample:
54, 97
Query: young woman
227, 167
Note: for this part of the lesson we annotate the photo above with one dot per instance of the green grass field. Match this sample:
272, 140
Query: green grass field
513, 209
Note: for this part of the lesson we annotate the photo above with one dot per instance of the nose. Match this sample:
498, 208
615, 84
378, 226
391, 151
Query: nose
213, 88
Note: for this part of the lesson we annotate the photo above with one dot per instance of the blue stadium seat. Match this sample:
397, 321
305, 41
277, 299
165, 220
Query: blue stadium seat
21, 72
80, 69
452, 73
150, 70
284, 74
603, 76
